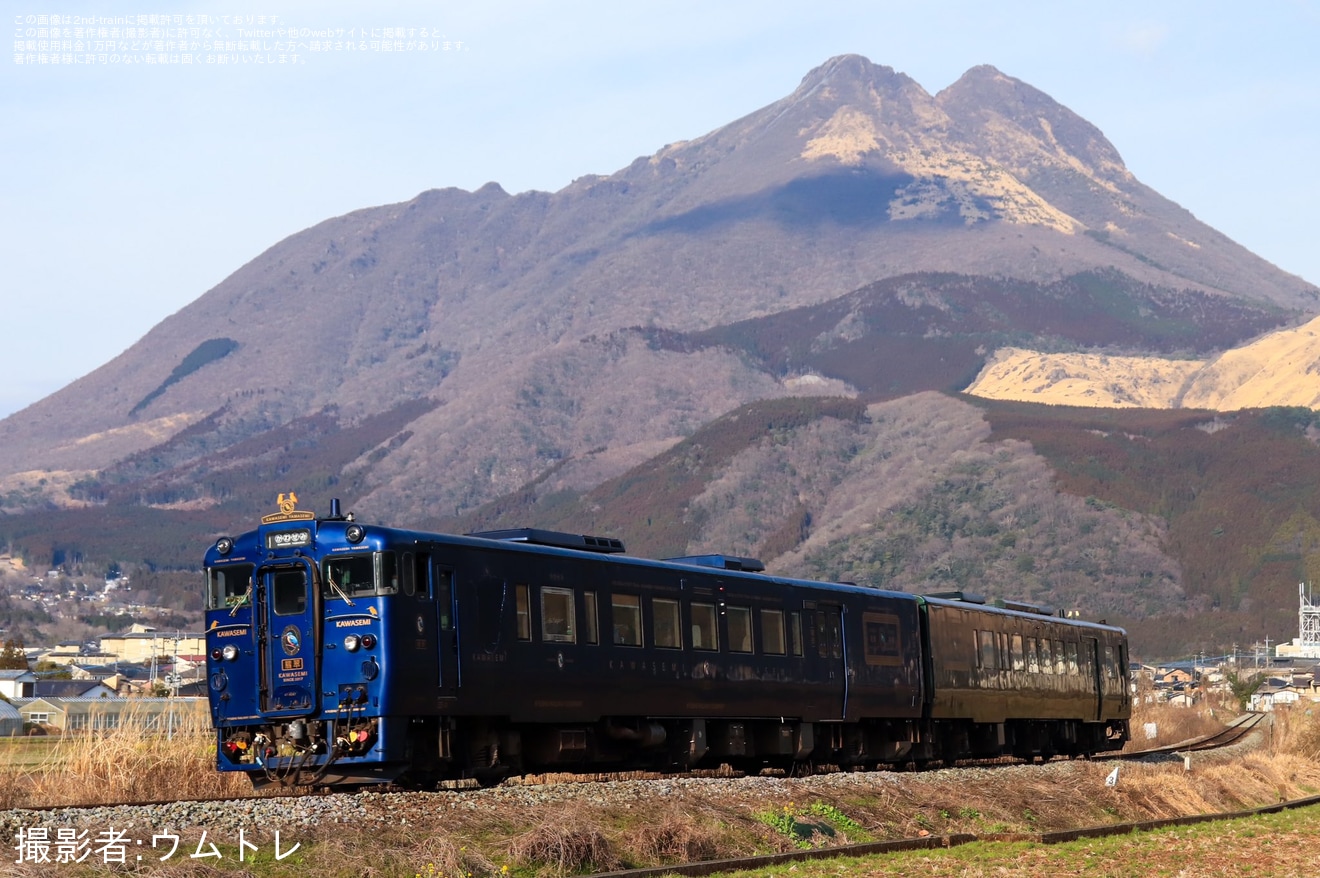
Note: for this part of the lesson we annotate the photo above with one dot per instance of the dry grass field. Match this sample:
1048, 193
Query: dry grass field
598, 827
128, 763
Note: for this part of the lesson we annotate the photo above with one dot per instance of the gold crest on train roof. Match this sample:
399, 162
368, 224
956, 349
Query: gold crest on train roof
288, 510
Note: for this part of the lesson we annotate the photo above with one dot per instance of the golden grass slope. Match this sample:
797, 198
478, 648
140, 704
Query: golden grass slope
1094, 380
1281, 368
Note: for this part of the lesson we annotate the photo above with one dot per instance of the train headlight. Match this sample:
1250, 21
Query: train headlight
352, 642
370, 670
230, 652
224, 545
354, 533
215, 654
368, 641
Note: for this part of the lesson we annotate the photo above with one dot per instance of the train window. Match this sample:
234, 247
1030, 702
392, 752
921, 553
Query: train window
1033, 655
524, 610
387, 580
880, 631
444, 590
1046, 657
1060, 659
349, 577
1072, 658
882, 638
705, 634
668, 627
772, 632
627, 619
1111, 669
592, 628
795, 633
228, 587
1019, 660
289, 589
740, 628
408, 574
421, 584
989, 659
557, 615
829, 640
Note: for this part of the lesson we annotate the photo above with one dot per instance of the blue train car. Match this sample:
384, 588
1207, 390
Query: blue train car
345, 653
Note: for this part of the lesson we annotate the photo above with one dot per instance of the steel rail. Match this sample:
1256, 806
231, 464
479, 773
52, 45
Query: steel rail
1230, 734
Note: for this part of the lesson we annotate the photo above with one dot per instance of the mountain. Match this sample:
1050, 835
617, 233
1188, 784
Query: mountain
860, 238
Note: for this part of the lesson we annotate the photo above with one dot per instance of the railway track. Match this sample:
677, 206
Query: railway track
382, 811
1231, 734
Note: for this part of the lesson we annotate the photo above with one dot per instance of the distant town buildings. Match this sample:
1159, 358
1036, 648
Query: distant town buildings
1307, 644
96, 684
142, 644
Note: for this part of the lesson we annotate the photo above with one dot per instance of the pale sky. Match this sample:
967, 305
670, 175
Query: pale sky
131, 188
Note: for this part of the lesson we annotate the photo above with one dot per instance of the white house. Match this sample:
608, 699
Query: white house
17, 684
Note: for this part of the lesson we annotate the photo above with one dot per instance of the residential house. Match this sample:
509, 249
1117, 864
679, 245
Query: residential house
83, 671
17, 684
73, 689
133, 680
1181, 698
1282, 691
1169, 677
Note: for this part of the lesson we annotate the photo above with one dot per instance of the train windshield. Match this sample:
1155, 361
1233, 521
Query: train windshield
360, 575
229, 586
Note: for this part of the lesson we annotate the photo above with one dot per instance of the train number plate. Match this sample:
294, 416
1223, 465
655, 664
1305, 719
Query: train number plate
293, 664
288, 539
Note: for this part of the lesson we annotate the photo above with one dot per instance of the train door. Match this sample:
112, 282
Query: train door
1122, 681
827, 658
442, 580
1091, 649
415, 618
286, 639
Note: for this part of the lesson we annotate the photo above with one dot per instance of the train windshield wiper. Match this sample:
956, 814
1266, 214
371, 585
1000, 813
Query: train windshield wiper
339, 591
243, 601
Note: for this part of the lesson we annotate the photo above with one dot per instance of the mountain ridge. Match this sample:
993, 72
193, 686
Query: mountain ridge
463, 265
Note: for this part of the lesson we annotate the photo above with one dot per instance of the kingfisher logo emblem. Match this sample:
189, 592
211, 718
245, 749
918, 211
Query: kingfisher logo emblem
288, 505
291, 640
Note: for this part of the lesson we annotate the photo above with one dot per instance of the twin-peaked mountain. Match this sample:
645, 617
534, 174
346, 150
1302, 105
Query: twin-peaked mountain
859, 238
